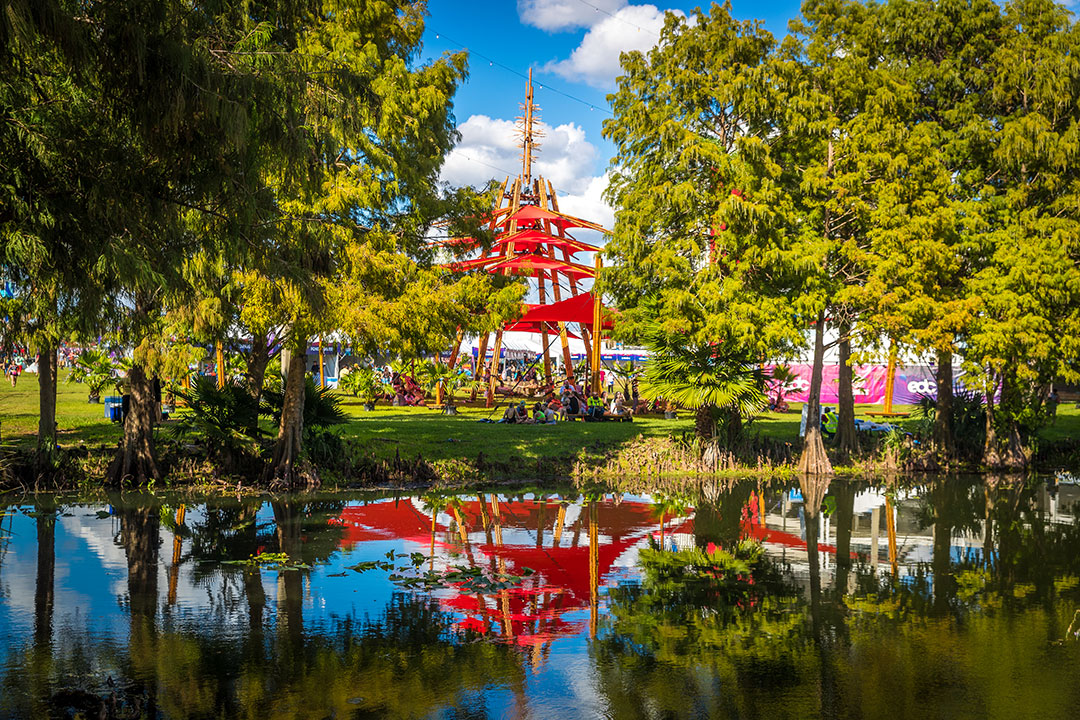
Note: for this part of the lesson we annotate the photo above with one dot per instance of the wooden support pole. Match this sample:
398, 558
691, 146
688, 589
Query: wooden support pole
585, 335
478, 373
594, 570
597, 320
550, 202
490, 400
890, 377
219, 360
890, 527
322, 367
544, 333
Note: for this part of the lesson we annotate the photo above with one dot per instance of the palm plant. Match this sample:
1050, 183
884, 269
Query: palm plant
222, 418
362, 383
432, 374
625, 373
708, 379
95, 369
322, 406
782, 376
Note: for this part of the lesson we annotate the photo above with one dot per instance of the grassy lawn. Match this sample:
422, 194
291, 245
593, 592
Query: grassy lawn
411, 431
78, 421
388, 430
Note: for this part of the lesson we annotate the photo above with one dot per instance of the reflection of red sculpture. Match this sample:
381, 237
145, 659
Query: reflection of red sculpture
570, 560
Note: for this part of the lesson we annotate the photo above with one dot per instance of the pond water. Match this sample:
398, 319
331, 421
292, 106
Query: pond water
949, 598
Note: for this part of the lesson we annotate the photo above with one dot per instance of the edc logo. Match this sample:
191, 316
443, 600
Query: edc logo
921, 387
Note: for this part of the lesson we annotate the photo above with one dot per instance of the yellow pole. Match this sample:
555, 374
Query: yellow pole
494, 369
890, 526
594, 570
890, 377
480, 360
220, 359
322, 372
597, 302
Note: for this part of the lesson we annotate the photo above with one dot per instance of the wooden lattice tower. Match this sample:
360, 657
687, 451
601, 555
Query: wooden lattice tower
532, 240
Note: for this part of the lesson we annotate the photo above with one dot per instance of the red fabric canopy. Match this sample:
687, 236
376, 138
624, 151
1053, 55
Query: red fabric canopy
530, 264
531, 214
529, 240
577, 309
463, 265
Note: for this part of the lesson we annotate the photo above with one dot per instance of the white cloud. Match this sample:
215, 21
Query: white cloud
489, 149
596, 60
589, 204
555, 15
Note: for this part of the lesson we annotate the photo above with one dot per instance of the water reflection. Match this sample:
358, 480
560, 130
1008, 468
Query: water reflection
948, 598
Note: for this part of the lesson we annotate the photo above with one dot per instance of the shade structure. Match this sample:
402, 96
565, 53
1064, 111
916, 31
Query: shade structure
530, 215
457, 242
532, 265
578, 309
464, 265
530, 240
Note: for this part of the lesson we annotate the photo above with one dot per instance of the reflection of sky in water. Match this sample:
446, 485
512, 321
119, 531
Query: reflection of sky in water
560, 673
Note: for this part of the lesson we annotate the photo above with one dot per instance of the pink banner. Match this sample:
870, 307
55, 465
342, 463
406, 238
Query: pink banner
868, 382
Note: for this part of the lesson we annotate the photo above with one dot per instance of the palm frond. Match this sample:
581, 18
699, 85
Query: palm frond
696, 375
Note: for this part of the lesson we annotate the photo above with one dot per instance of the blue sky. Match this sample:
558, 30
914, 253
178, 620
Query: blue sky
572, 47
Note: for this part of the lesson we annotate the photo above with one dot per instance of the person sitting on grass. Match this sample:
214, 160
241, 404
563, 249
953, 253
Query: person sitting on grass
522, 414
510, 414
539, 414
618, 406
569, 406
595, 412
551, 412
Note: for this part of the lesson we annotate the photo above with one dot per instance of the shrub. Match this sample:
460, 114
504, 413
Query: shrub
224, 419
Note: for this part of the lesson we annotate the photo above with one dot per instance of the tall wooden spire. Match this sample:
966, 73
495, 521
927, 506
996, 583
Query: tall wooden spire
529, 133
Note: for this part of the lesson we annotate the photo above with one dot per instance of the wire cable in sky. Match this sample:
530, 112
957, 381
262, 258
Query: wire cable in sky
540, 86
616, 17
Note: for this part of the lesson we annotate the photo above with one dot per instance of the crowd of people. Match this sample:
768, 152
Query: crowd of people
573, 401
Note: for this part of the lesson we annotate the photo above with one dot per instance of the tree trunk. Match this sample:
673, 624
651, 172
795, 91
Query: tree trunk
704, 422
257, 361
135, 460
285, 464
944, 585
1010, 454
943, 415
478, 373
846, 437
46, 438
814, 461
288, 530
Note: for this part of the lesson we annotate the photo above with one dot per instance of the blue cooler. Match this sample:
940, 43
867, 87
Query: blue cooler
113, 408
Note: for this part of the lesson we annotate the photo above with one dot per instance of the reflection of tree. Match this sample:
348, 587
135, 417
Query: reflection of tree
697, 628
140, 538
718, 518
